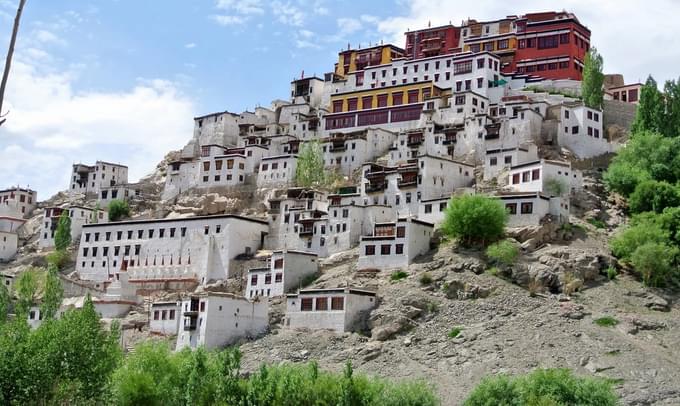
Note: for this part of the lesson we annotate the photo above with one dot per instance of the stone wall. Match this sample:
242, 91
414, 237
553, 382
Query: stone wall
618, 113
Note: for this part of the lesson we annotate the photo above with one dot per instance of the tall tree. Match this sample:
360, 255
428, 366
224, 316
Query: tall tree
26, 288
4, 303
10, 54
671, 122
62, 237
53, 293
593, 80
651, 108
310, 168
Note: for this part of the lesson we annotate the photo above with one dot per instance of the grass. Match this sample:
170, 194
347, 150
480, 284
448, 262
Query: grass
425, 279
597, 223
398, 275
432, 307
606, 321
613, 352
612, 273
493, 271
455, 332
309, 279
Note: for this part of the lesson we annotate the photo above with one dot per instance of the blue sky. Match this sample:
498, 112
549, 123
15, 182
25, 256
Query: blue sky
120, 80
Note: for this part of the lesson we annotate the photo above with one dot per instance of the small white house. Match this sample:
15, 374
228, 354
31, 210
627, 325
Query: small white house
18, 202
164, 318
79, 216
284, 271
277, 170
531, 208
395, 244
545, 176
214, 320
500, 159
581, 131
339, 310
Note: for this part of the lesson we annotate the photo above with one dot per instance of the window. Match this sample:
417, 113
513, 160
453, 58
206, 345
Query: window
321, 303
155, 315
527, 208
399, 249
370, 250
574, 129
515, 179
385, 249
526, 176
480, 63
493, 161
202, 306
566, 113
397, 98
428, 208
503, 44
508, 160
278, 278
253, 279
172, 315
564, 38
536, 174
463, 67
306, 304
268, 279
511, 208
278, 263
337, 303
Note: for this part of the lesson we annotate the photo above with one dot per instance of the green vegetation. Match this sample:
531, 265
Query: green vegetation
398, 275
155, 376
650, 195
543, 387
475, 219
310, 170
26, 288
606, 321
612, 273
556, 187
64, 361
592, 86
654, 263
503, 252
309, 279
62, 236
597, 223
493, 271
118, 210
454, 332
425, 278
58, 258
53, 293
659, 111
5, 302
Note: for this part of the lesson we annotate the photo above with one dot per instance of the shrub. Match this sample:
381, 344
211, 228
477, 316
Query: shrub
555, 387
597, 223
62, 236
641, 232
425, 279
309, 279
653, 196
454, 332
556, 187
503, 252
493, 271
59, 259
606, 321
622, 177
398, 275
654, 263
612, 273
475, 218
118, 210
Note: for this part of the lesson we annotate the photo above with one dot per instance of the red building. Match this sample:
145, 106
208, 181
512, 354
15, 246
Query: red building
551, 45
432, 42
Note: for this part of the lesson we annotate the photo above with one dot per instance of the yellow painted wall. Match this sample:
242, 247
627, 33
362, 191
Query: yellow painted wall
512, 44
403, 89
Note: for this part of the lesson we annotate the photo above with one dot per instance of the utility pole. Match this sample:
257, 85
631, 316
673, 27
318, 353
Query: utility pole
8, 61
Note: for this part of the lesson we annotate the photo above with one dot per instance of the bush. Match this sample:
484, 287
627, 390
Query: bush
59, 259
623, 178
642, 231
475, 218
503, 252
654, 263
425, 279
612, 273
454, 332
556, 187
118, 210
651, 195
398, 275
597, 223
606, 321
555, 387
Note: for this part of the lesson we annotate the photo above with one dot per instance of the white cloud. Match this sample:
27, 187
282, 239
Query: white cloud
48, 37
288, 13
348, 25
51, 125
306, 33
300, 43
227, 20
241, 6
627, 34
190, 45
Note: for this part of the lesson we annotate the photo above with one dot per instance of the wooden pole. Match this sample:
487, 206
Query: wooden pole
10, 53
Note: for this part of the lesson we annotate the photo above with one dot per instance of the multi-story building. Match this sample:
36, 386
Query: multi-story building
502, 159
339, 310
307, 91
193, 249
346, 152
626, 93
281, 272
581, 131
533, 208
277, 170
353, 60
164, 317
214, 320
88, 179
10, 230
394, 244
18, 202
433, 41
79, 216
551, 178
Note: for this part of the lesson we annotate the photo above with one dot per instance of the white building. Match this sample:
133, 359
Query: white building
502, 159
18, 202
79, 216
105, 307
532, 208
164, 318
551, 178
307, 90
346, 152
193, 249
88, 179
339, 310
581, 131
214, 320
9, 236
277, 170
284, 270
394, 244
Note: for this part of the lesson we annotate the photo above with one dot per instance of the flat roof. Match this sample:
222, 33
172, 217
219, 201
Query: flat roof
354, 291
167, 220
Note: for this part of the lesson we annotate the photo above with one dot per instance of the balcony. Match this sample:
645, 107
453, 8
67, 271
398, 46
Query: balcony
338, 147
306, 232
433, 45
190, 323
448, 140
414, 141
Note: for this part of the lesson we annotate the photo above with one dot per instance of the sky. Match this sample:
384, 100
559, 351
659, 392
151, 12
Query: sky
121, 80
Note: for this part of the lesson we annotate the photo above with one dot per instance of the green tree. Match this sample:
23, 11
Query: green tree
653, 196
593, 80
642, 230
623, 177
26, 288
62, 237
5, 301
475, 218
53, 293
94, 219
118, 210
671, 91
543, 387
651, 109
310, 167
503, 252
654, 263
